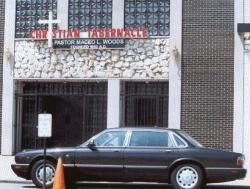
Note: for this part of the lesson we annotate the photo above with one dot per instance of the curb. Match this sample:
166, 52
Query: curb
15, 182
125, 184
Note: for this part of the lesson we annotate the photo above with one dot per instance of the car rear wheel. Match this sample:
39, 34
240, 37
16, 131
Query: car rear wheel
187, 176
37, 171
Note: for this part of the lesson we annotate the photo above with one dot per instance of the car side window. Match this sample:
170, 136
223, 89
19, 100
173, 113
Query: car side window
179, 142
112, 138
150, 139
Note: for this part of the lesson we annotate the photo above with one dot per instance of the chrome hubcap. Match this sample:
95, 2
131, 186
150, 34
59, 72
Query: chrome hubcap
187, 177
50, 174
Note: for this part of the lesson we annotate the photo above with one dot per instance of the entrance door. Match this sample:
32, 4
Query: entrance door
145, 104
67, 113
78, 109
26, 123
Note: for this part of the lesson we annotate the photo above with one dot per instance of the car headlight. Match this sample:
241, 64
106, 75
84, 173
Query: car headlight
240, 161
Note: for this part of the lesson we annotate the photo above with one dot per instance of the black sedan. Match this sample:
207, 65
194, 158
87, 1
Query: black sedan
135, 155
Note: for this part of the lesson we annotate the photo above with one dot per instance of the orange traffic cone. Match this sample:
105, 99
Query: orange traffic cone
59, 182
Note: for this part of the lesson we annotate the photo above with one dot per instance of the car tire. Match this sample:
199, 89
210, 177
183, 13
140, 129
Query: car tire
37, 173
187, 176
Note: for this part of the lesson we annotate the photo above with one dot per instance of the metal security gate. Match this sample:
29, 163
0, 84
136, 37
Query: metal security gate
145, 104
79, 111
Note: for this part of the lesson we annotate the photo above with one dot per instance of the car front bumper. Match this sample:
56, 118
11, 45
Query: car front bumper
21, 170
215, 175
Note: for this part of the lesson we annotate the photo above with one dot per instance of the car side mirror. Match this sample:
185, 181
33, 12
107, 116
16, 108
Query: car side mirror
91, 145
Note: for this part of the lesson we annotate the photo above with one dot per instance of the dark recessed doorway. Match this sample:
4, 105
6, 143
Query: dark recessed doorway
79, 110
67, 113
145, 104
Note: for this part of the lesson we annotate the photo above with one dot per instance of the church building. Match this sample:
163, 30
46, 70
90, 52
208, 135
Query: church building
97, 64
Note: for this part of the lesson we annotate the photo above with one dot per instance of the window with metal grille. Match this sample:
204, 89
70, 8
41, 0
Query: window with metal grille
29, 12
154, 15
79, 111
145, 104
88, 14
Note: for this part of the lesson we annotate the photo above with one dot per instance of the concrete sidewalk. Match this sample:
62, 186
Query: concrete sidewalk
7, 175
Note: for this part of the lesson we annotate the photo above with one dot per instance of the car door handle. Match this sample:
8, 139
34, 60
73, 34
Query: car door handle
116, 150
168, 151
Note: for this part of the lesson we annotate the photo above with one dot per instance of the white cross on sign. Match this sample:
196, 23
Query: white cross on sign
50, 23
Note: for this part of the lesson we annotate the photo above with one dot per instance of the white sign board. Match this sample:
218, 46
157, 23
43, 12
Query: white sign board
44, 125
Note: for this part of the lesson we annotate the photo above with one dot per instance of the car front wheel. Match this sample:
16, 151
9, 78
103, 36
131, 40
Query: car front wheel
187, 176
37, 173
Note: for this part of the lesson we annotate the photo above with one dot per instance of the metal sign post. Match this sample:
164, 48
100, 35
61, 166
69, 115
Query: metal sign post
45, 120
44, 131
44, 163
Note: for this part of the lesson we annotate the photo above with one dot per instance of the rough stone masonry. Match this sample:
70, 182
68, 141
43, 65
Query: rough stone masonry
141, 59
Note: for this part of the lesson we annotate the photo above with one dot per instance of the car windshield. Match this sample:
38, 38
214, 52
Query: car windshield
190, 139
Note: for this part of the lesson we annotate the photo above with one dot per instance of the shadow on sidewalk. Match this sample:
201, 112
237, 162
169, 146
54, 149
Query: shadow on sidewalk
85, 186
143, 187
130, 186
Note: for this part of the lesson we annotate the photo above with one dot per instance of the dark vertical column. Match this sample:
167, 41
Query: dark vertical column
2, 13
208, 71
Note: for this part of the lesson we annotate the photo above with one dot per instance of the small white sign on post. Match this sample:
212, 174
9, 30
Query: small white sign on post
45, 125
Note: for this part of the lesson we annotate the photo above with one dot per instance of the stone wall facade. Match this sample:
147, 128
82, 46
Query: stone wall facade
2, 13
140, 59
208, 71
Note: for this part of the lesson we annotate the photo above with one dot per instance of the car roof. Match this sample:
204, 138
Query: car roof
142, 128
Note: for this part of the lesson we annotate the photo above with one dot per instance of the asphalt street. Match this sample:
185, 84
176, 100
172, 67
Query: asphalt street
85, 186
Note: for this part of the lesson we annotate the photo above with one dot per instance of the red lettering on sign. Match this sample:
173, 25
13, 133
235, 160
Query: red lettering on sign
127, 34
32, 34
145, 33
107, 33
39, 35
45, 34
119, 33
69, 34
92, 33
133, 33
76, 33
54, 33
113, 33
101, 33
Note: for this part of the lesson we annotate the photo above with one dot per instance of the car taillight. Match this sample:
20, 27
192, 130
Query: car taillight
240, 161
